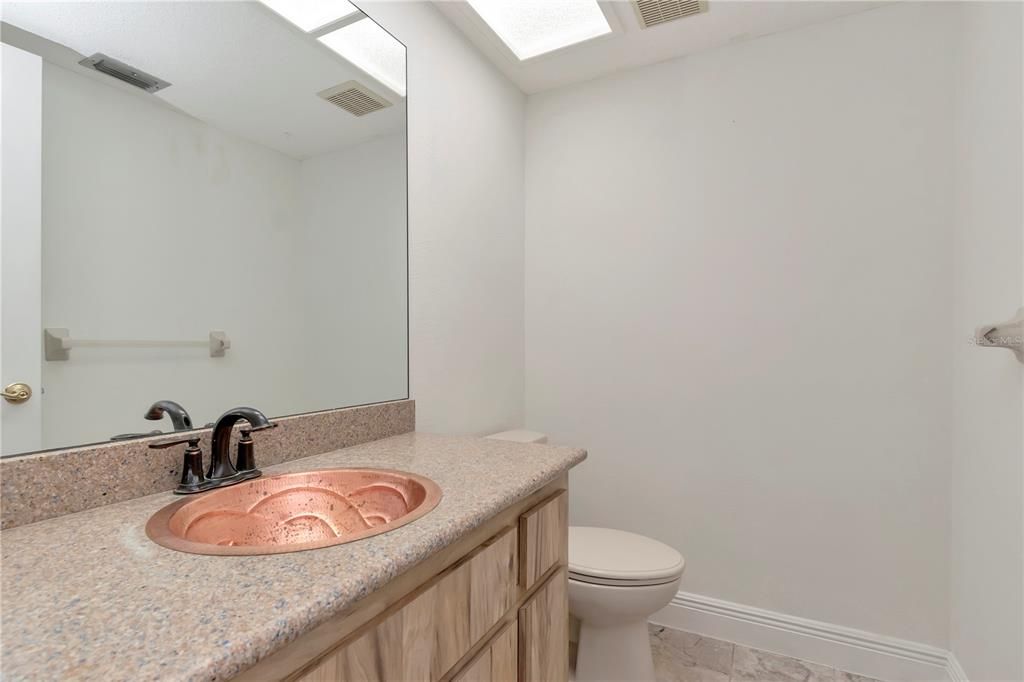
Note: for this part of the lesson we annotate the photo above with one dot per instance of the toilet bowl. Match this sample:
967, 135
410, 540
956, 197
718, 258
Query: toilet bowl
617, 580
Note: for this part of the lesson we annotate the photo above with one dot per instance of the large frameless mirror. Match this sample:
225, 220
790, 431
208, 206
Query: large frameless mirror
204, 205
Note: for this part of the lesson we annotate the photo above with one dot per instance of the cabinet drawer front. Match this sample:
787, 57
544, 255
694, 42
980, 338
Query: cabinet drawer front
498, 662
544, 632
543, 538
426, 637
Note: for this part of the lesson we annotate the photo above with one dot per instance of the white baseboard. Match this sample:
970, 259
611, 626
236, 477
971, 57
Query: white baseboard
856, 651
954, 671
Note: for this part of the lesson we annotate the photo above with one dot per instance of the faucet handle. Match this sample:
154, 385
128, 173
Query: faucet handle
192, 443
246, 460
192, 478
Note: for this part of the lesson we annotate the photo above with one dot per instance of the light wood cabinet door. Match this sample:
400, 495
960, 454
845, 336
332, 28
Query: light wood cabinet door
543, 539
544, 632
425, 638
498, 662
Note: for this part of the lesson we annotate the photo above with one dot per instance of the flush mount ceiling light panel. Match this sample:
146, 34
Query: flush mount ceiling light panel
310, 15
531, 28
372, 49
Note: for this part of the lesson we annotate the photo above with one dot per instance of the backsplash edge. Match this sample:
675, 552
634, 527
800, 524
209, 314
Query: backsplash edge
58, 482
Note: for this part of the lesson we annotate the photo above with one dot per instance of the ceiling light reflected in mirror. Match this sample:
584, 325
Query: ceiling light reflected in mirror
534, 27
312, 14
373, 50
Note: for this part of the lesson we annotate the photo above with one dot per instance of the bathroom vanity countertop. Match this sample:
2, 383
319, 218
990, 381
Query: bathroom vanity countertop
89, 596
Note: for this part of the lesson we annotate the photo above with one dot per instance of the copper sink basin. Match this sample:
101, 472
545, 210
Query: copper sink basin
294, 512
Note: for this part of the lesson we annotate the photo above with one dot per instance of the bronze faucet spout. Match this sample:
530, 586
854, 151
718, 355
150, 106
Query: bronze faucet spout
220, 460
178, 414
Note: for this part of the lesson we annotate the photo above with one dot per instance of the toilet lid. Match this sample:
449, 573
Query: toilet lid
617, 555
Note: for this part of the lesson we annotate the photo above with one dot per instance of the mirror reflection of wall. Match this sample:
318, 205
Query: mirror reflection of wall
261, 194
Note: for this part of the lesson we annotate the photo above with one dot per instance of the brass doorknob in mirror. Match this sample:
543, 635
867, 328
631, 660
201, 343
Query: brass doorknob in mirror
17, 393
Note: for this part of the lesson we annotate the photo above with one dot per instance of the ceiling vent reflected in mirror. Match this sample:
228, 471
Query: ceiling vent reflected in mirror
355, 98
655, 12
124, 72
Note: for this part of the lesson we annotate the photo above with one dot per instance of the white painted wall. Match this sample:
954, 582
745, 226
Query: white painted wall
465, 227
738, 298
183, 229
987, 557
351, 280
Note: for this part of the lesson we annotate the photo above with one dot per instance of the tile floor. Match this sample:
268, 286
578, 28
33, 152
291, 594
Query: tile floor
685, 657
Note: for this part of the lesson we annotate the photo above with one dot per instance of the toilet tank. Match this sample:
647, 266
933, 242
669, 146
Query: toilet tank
520, 436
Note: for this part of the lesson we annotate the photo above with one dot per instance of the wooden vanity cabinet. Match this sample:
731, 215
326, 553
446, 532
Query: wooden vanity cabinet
543, 539
498, 662
426, 637
492, 607
544, 632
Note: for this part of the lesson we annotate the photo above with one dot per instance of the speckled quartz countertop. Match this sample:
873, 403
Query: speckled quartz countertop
89, 596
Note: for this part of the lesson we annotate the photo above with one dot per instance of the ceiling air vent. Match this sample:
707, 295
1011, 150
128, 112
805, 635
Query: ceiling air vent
355, 98
124, 72
654, 12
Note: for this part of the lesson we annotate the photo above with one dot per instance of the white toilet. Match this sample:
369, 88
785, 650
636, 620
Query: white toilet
617, 580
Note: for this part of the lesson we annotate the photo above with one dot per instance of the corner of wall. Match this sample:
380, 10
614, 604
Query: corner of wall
466, 227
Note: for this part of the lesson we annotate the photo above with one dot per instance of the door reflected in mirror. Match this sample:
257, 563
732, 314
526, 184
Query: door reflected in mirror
204, 206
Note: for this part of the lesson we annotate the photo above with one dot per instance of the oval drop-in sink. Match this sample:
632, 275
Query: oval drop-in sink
294, 512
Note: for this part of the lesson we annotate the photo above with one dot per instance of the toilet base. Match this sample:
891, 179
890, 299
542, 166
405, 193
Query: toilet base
619, 652
614, 642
